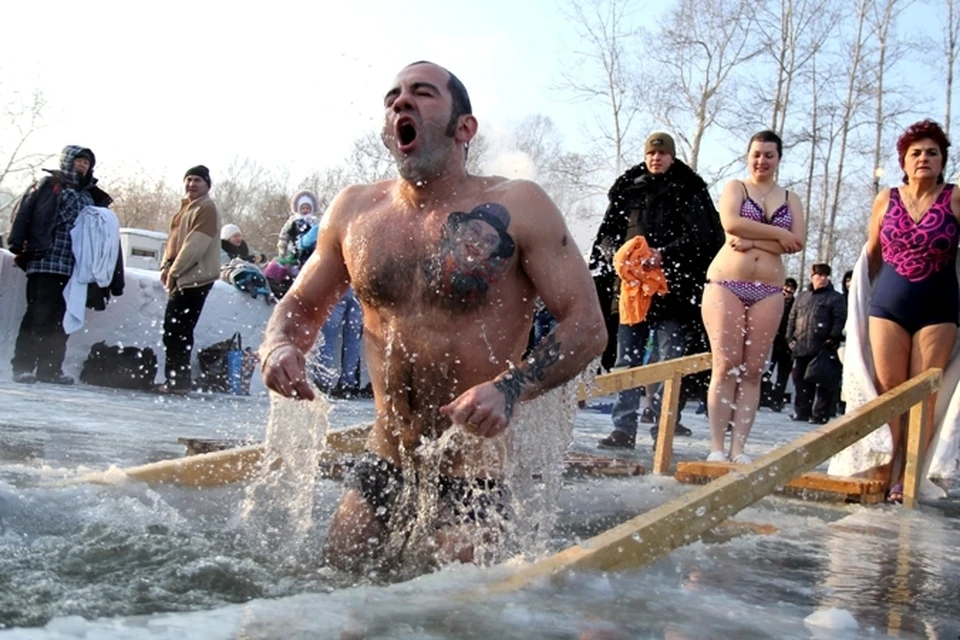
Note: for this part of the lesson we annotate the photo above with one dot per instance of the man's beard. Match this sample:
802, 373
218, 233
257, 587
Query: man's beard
429, 159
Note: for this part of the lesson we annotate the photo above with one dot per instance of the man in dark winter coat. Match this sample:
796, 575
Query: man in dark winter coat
665, 201
815, 323
782, 357
40, 239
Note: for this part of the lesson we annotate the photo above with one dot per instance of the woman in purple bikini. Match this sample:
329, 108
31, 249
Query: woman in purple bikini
742, 302
911, 257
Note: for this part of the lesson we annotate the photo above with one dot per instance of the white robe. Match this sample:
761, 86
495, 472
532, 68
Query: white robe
95, 237
859, 388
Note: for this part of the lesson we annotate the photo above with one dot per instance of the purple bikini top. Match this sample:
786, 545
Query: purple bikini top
751, 210
917, 250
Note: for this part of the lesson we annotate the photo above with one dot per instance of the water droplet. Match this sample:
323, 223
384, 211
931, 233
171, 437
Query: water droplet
701, 510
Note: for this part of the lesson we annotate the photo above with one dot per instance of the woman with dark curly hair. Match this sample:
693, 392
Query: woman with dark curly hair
911, 260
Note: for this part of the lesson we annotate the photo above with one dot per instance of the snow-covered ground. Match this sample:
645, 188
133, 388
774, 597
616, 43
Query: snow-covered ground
135, 318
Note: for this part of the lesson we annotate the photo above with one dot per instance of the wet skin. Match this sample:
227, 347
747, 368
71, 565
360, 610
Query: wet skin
447, 267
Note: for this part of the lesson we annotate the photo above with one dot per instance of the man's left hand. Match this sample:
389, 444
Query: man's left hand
481, 410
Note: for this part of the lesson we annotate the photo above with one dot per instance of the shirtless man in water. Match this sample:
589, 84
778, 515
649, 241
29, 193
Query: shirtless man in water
447, 267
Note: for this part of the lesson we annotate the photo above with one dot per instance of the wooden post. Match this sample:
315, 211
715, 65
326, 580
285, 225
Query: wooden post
916, 438
669, 416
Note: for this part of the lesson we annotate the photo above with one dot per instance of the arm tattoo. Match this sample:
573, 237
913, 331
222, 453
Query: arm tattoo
532, 371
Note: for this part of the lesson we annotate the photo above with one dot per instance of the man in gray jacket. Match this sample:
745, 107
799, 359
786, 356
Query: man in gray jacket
815, 323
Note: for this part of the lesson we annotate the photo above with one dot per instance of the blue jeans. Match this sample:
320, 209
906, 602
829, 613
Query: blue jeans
346, 319
669, 342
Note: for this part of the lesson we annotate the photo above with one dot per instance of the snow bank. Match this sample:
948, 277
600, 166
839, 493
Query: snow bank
136, 318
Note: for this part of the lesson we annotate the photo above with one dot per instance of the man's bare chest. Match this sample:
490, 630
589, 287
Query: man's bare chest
450, 261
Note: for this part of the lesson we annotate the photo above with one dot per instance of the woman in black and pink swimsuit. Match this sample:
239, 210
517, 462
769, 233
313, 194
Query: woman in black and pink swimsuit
742, 303
912, 256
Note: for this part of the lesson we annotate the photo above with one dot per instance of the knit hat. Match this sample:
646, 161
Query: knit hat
228, 229
662, 141
201, 172
306, 199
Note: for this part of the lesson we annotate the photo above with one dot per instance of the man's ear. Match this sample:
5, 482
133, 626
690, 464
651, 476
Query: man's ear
467, 127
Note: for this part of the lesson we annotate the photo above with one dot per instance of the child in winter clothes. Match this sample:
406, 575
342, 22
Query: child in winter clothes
303, 217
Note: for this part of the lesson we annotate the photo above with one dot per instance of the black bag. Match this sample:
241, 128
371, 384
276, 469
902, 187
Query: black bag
119, 367
214, 372
825, 369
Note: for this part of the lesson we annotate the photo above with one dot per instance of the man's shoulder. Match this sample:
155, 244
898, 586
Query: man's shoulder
507, 190
205, 204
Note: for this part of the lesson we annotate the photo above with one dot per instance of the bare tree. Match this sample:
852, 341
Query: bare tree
568, 178
853, 57
326, 184
255, 199
370, 160
20, 118
889, 51
951, 51
143, 202
795, 32
698, 48
606, 72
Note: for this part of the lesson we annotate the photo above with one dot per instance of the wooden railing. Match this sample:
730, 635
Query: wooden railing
650, 536
671, 373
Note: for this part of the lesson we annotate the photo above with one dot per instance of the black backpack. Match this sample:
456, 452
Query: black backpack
214, 372
119, 367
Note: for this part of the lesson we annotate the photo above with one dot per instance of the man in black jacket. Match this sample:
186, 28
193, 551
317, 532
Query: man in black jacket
668, 203
782, 357
815, 323
40, 240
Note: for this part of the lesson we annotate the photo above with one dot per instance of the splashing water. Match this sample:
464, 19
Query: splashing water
277, 508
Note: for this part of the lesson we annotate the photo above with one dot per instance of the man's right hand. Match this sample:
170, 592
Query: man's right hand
163, 277
285, 371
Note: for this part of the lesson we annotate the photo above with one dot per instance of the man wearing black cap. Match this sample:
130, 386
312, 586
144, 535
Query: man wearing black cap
40, 239
665, 201
191, 264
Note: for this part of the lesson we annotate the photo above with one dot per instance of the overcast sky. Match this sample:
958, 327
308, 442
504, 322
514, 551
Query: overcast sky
167, 85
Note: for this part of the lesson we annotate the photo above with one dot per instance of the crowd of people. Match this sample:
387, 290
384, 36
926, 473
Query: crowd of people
62, 230
753, 316
446, 311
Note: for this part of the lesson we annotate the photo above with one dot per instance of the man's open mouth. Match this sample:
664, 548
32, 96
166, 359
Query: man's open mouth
406, 132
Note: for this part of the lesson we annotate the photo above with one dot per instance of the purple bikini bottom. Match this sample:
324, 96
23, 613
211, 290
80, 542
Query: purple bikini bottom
749, 293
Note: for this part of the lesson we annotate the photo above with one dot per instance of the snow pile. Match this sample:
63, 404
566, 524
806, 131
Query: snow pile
136, 318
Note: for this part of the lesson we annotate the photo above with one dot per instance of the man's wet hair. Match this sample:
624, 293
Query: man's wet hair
459, 97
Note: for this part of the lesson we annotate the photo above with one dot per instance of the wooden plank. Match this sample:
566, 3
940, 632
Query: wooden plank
580, 464
669, 414
352, 439
917, 429
335, 459
650, 536
863, 490
648, 374
218, 467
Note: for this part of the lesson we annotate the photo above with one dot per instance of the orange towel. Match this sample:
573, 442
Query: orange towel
638, 284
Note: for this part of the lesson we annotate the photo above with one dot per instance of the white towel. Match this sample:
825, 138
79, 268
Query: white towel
96, 242
858, 389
